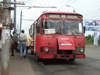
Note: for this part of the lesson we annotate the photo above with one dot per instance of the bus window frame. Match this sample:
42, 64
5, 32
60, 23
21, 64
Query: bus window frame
38, 23
52, 19
75, 20
63, 19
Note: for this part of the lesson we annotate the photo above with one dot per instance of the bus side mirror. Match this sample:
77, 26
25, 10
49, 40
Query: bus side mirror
84, 29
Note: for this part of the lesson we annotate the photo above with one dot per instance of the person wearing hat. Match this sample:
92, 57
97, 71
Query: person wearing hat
29, 43
22, 38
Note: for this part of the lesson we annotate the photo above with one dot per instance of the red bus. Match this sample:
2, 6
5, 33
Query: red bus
59, 35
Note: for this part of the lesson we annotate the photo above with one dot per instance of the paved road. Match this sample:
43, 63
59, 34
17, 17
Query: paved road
88, 66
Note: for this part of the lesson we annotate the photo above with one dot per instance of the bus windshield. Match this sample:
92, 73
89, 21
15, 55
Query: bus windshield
52, 26
73, 27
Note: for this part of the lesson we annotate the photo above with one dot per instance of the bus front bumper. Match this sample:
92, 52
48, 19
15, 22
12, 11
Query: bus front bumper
62, 56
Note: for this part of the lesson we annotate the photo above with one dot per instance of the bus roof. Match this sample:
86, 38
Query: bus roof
59, 12
74, 13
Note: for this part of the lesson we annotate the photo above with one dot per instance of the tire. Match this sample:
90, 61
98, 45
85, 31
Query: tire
72, 60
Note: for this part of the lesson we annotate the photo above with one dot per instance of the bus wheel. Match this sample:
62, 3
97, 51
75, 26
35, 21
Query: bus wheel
37, 57
72, 60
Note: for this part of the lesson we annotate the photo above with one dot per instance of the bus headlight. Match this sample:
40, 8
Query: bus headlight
81, 50
46, 49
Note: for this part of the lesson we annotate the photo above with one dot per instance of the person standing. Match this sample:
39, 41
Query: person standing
74, 30
30, 43
14, 43
22, 38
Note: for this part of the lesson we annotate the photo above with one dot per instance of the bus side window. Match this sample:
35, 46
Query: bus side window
46, 27
38, 27
42, 28
45, 24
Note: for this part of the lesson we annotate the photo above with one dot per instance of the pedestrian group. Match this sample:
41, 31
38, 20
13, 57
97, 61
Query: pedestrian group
21, 42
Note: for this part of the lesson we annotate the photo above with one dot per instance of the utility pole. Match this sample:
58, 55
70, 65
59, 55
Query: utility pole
21, 3
6, 38
5, 58
15, 16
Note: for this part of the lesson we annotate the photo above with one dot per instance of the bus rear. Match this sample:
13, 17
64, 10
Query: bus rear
59, 35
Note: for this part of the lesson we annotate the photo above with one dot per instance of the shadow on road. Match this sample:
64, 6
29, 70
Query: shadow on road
57, 62
53, 61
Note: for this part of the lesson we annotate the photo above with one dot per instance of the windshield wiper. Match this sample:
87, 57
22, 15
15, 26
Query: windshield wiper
73, 34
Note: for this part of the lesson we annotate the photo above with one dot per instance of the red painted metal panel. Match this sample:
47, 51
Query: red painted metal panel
37, 43
82, 56
45, 40
81, 40
59, 56
47, 56
66, 43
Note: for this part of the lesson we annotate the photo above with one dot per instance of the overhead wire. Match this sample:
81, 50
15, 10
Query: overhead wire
37, 2
89, 5
32, 8
64, 4
61, 6
44, 3
41, 3
87, 9
28, 2
37, 9
92, 13
22, 9
71, 3
34, 1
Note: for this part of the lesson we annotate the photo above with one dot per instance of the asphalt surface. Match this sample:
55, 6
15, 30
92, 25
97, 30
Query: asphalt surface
88, 66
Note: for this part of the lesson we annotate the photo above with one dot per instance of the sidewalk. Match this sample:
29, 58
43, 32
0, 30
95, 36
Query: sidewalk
19, 66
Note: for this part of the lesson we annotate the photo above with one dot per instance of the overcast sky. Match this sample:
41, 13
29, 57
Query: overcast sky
90, 9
